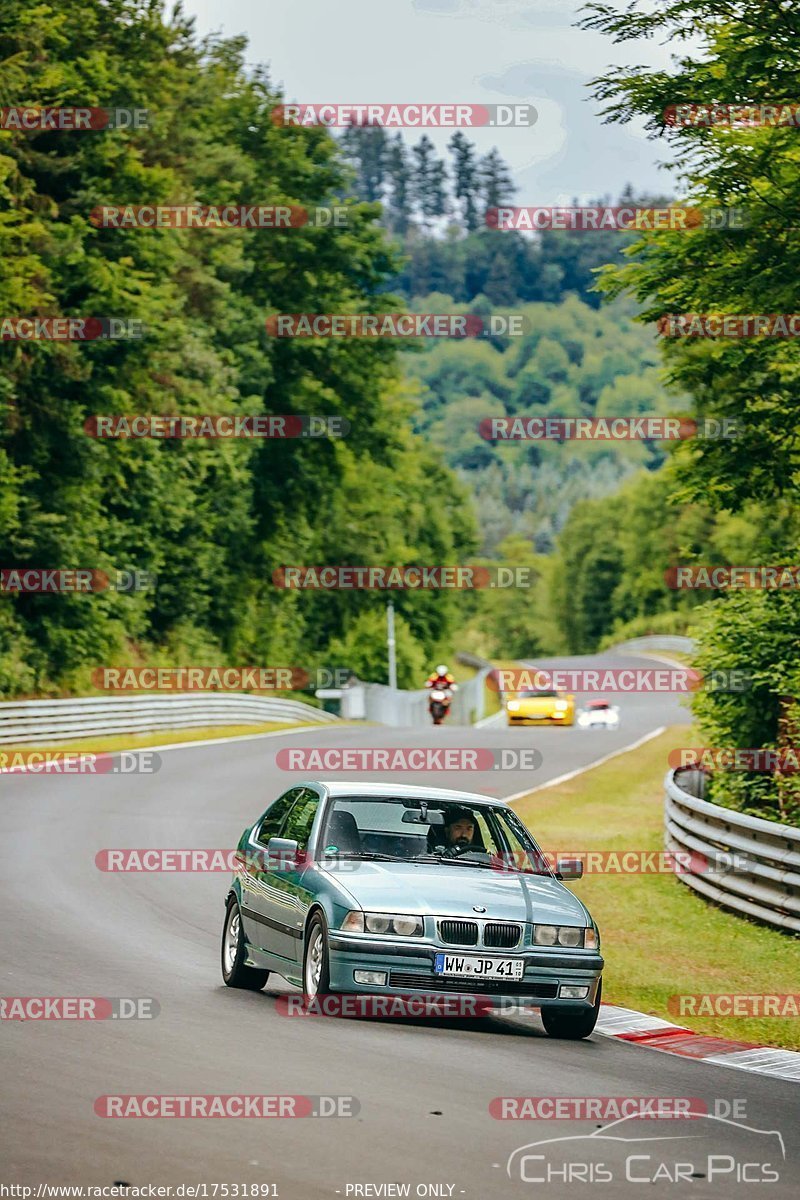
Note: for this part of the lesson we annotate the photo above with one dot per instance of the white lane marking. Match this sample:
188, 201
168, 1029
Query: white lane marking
614, 1021
648, 737
221, 741
783, 1064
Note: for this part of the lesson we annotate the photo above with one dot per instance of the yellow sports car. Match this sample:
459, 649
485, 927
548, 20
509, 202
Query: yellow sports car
541, 707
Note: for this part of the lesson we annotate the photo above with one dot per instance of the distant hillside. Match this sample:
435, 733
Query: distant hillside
573, 361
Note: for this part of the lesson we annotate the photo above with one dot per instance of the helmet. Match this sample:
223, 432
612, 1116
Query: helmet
441, 669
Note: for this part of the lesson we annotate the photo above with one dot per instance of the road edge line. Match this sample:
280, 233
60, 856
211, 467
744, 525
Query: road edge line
648, 737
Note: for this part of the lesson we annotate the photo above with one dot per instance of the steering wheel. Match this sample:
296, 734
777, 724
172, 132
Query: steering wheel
459, 848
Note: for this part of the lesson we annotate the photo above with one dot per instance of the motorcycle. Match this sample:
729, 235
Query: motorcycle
439, 704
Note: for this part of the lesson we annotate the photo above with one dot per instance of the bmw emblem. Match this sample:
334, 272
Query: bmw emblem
478, 908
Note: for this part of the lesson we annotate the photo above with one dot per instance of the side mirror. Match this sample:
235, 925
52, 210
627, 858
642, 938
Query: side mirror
282, 854
567, 868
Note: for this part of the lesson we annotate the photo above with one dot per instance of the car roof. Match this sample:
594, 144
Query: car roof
339, 787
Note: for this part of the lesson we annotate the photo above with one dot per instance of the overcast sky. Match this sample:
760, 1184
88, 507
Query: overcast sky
480, 51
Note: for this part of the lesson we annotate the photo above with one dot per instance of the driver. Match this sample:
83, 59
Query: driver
458, 832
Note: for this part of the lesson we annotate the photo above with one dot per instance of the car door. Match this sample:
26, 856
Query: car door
291, 881
256, 882
278, 904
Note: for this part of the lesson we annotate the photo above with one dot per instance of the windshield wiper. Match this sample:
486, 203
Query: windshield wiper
372, 855
448, 858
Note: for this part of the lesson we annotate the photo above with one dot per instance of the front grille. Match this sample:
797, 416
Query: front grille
496, 933
428, 982
459, 933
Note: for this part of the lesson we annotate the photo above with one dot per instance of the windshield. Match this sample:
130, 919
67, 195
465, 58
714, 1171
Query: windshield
539, 695
400, 829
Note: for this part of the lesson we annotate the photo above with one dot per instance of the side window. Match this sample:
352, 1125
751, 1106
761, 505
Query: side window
301, 818
276, 814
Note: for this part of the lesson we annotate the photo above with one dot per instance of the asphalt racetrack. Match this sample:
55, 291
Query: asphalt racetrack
423, 1086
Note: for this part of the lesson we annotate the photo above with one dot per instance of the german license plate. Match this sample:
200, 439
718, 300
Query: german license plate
474, 965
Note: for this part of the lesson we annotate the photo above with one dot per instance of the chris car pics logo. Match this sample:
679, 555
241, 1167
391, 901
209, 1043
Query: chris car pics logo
713, 1148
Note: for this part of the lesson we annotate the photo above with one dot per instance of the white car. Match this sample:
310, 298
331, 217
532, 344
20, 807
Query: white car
599, 714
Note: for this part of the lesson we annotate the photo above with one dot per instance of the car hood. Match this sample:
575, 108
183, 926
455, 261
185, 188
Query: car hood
539, 704
448, 890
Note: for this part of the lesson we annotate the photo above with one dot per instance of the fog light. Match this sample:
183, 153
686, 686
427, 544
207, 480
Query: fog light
378, 978
569, 991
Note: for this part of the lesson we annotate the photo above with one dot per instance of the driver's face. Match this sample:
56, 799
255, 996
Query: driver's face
461, 830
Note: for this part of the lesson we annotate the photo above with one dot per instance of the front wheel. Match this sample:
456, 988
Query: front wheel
234, 951
571, 1025
316, 963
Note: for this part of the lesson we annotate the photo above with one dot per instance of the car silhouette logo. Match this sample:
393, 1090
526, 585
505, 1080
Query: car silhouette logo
605, 1134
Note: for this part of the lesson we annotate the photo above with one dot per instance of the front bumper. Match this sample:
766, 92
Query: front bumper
565, 718
409, 971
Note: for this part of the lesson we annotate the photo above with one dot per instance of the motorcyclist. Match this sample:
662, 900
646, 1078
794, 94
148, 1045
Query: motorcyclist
442, 679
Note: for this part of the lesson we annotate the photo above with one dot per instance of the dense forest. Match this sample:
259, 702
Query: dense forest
209, 521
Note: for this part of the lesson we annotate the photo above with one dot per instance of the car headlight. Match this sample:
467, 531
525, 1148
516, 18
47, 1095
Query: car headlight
513, 705
392, 923
560, 935
561, 705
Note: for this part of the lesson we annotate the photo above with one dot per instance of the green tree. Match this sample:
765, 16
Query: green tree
466, 182
497, 186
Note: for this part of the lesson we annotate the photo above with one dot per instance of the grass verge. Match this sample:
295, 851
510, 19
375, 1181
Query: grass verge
658, 937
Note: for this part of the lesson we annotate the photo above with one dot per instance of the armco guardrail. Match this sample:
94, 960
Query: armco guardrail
656, 642
744, 863
26, 721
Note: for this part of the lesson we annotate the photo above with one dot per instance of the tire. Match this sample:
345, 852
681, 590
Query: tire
316, 962
233, 953
568, 1024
